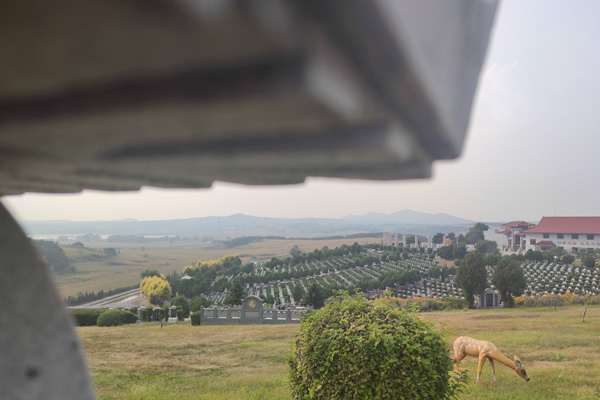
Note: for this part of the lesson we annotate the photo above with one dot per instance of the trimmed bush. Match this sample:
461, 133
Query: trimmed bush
179, 314
196, 318
355, 349
110, 318
86, 316
455, 303
116, 317
146, 314
133, 310
128, 317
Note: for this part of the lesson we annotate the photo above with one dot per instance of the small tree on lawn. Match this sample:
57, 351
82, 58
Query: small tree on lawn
471, 276
509, 280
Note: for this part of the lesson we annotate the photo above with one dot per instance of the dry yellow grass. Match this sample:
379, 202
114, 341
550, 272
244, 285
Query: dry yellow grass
560, 352
179, 361
143, 361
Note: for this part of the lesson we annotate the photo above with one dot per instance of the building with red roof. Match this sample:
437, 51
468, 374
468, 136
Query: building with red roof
568, 233
514, 236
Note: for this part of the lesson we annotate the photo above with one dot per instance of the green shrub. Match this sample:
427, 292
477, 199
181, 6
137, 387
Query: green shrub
116, 317
133, 310
196, 318
110, 318
179, 314
355, 349
164, 313
455, 303
86, 316
181, 301
128, 317
146, 314
431, 305
198, 302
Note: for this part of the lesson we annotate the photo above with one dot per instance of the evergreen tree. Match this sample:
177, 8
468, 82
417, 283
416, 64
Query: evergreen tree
589, 261
509, 280
297, 293
236, 294
198, 302
471, 276
314, 296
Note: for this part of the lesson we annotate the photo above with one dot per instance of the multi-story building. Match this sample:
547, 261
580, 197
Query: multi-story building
514, 235
568, 233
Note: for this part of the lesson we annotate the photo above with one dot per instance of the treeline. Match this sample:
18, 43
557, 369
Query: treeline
86, 297
315, 255
54, 256
144, 239
204, 276
338, 237
240, 241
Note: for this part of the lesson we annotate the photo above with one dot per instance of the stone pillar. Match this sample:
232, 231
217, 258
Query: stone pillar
42, 357
416, 241
429, 242
404, 244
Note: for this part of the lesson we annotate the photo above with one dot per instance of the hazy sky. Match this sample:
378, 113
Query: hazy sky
532, 148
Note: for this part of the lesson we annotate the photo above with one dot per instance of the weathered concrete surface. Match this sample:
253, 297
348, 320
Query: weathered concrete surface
115, 95
40, 354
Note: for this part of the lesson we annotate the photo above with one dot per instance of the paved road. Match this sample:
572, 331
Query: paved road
125, 299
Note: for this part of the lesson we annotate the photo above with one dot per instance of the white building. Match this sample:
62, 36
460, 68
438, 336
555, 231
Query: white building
513, 231
568, 233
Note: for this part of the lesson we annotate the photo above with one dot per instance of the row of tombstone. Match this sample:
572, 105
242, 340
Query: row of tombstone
155, 315
250, 312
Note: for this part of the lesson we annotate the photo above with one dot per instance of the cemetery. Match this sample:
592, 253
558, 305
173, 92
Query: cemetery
417, 276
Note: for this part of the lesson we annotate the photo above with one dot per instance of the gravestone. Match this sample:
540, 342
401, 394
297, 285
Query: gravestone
252, 310
172, 314
156, 314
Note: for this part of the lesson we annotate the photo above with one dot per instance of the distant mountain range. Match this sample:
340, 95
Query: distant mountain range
405, 221
410, 217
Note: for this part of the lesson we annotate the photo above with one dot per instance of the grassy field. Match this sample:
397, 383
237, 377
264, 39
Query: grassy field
559, 351
124, 269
